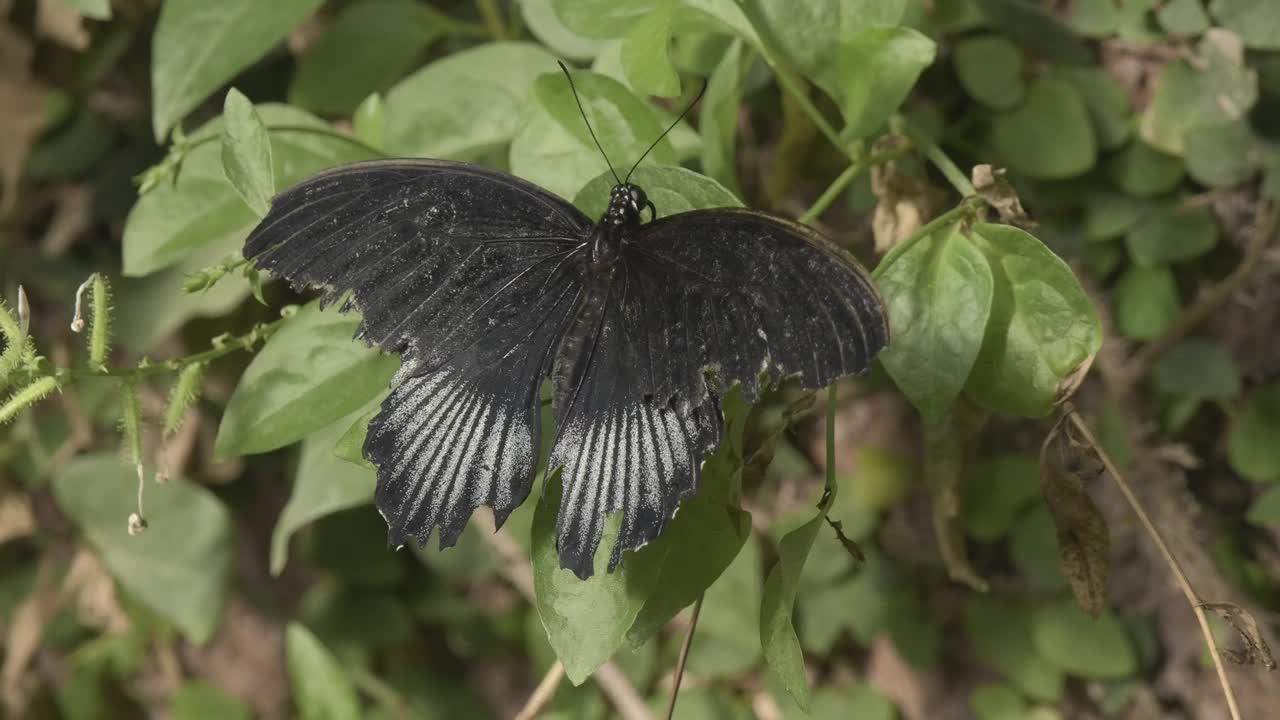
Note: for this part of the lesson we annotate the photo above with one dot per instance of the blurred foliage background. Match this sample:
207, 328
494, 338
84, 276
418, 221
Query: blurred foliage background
1141, 136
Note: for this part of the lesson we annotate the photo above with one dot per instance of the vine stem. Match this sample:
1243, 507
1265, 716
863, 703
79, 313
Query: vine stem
684, 657
1197, 606
966, 207
842, 181
493, 21
543, 693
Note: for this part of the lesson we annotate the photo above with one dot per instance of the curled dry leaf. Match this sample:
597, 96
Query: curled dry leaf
904, 203
994, 187
1084, 543
1256, 650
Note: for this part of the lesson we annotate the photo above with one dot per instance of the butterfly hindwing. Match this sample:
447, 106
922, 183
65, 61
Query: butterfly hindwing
474, 299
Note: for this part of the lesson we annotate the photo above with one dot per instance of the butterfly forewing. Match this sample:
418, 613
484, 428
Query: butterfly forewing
470, 275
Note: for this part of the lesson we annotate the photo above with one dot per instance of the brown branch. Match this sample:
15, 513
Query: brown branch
543, 693
1261, 233
684, 657
1197, 606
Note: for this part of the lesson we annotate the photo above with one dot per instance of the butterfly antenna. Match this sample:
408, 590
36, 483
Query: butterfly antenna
578, 100
669, 129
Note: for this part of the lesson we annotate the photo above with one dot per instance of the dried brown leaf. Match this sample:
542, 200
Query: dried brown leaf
994, 187
1256, 650
1084, 543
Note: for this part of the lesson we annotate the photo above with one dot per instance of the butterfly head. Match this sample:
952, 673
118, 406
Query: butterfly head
626, 203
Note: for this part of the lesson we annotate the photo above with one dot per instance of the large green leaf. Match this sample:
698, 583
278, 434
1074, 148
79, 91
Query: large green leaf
1000, 631
366, 48
175, 220
1257, 22
1066, 636
246, 153
719, 118
545, 25
1048, 137
1146, 302
200, 45
1255, 426
989, 68
877, 68
323, 483
181, 565
587, 620
1217, 89
309, 374
777, 632
1171, 233
321, 690
555, 149
728, 624
468, 102
1042, 325
602, 18
646, 55
938, 295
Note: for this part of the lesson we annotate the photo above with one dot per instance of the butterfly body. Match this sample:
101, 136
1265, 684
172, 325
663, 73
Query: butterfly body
487, 285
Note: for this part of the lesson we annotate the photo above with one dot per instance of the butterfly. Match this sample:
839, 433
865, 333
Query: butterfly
487, 285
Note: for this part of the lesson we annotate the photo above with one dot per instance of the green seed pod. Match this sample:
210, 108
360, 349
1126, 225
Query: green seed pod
186, 390
26, 397
100, 331
131, 420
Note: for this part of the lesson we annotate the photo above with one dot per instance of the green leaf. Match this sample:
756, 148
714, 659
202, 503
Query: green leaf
1109, 214
1223, 90
322, 484
587, 620
181, 565
1030, 24
719, 118
202, 701
388, 35
1257, 22
857, 701
1106, 101
729, 619
938, 295
711, 521
1251, 442
1171, 234
989, 67
777, 633
309, 374
369, 122
198, 46
1042, 325
1050, 136
1144, 171
555, 149
246, 153
321, 690
877, 67
1222, 155
646, 55
466, 103
96, 9
1000, 630
1183, 17
1265, 511
1146, 302
1067, 637
997, 702
175, 220
602, 18
672, 190
995, 492
1197, 368
350, 445
545, 25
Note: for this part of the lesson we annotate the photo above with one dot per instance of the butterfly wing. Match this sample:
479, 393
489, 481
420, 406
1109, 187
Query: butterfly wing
728, 292
470, 275
751, 293
618, 449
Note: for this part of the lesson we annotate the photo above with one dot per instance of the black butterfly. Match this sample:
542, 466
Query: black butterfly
486, 285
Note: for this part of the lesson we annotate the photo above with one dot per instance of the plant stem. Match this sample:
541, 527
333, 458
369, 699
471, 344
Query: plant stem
842, 181
493, 21
940, 159
543, 693
1197, 606
965, 207
684, 657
